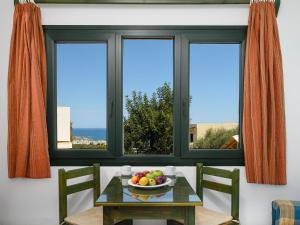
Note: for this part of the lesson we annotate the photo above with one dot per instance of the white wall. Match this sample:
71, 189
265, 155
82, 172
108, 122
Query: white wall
35, 202
63, 124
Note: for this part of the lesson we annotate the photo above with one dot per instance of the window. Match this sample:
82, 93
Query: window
81, 96
148, 96
145, 95
214, 96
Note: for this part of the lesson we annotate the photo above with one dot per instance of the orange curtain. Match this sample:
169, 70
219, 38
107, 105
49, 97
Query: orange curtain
264, 117
27, 129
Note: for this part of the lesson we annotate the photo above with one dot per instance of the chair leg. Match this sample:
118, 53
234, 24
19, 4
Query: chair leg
233, 223
125, 222
173, 222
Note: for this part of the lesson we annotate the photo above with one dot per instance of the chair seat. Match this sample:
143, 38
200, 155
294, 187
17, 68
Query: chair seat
204, 216
93, 216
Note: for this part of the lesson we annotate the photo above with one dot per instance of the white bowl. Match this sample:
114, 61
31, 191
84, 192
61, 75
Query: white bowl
168, 181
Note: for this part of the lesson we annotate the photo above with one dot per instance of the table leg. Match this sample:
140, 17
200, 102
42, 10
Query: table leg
189, 216
107, 216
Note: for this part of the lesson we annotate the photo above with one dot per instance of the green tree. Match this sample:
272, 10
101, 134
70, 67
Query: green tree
215, 138
148, 128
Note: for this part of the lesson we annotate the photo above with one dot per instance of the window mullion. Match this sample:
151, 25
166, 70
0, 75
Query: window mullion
118, 97
184, 100
111, 95
177, 95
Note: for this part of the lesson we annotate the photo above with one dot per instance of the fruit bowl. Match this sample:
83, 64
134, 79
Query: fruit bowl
168, 181
149, 180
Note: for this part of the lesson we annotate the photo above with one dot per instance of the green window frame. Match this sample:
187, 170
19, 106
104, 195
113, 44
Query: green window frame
113, 36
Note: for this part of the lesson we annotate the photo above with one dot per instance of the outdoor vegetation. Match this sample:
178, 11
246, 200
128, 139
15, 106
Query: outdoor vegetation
148, 129
214, 138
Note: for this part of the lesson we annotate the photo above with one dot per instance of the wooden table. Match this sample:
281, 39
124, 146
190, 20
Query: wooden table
122, 202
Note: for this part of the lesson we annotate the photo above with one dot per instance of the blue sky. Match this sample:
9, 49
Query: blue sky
214, 83
81, 83
147, 64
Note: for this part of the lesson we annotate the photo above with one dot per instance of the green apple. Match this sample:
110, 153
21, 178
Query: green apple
150, 176
157, 173
152, 182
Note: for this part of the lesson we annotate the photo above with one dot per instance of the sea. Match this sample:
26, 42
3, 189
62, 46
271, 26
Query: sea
95, 134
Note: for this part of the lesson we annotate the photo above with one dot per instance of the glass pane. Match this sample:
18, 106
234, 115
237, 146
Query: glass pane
148, 96
214, 96
81, 96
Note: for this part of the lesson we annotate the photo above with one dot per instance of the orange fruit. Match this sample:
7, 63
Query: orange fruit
135, 179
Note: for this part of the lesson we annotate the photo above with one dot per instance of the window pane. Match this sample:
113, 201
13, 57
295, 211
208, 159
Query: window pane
148, 96
214, 96
81, 96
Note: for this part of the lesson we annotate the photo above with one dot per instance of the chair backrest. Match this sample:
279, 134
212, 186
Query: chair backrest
233, 189
65, 189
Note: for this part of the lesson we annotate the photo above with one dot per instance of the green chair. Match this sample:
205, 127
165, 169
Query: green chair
204, 216
210, 217
91, 216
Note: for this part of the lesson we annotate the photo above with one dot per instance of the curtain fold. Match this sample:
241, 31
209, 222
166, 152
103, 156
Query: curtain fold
27, 129
264, 117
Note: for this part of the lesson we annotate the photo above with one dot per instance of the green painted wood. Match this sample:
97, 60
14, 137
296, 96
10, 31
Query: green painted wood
149, 212
108, 216
233, 189
80, 187
96, 168
199, 179
192, 219
189, 216
217, 172
217, 186
62, 184
235, 199
65, 189
79, 172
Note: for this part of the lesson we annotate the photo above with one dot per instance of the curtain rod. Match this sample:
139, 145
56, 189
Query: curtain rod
179, 2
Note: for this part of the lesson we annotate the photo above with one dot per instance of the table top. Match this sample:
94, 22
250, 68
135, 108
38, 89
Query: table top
179, 193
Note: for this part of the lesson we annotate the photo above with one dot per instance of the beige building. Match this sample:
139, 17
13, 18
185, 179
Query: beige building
64, 127
198, 130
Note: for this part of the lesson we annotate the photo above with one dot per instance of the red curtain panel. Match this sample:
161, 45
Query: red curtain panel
27, 129
264, 117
